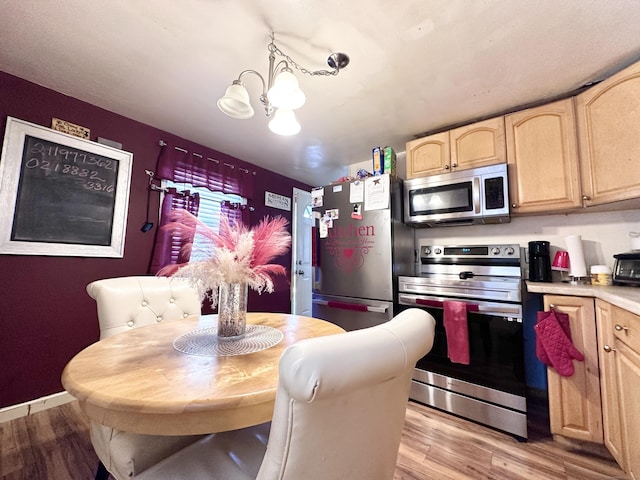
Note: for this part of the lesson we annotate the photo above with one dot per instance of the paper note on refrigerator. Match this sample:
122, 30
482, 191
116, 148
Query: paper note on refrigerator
376, 192
356, 192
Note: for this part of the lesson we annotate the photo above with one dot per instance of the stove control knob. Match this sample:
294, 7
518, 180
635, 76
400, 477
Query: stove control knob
426, 250
509, 251
437, 251
495, 251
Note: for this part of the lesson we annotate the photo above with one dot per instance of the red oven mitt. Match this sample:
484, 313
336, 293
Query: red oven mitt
557, 345
563, 319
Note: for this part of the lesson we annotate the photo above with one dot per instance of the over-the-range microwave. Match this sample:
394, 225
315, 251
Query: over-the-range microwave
479, 195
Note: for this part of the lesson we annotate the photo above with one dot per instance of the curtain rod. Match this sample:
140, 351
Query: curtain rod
162, 143
156, 188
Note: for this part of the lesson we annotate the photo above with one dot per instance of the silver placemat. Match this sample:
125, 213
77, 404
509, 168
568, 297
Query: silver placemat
205, 342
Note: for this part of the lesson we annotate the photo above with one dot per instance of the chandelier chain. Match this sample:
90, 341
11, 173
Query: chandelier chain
273, 48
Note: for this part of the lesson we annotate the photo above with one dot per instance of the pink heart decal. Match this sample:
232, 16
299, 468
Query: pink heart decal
348, 252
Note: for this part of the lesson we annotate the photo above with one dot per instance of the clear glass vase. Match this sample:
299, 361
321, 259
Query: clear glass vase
232, 310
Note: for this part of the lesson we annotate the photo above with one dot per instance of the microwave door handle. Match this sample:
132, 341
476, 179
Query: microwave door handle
476, 195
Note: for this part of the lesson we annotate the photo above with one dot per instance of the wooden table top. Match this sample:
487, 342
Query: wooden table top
138, 382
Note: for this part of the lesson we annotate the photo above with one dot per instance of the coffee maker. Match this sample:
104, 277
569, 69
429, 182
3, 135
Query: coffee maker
539, 262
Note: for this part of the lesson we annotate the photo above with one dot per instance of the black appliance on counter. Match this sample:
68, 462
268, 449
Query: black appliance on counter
539, 262
488, 278
626, 270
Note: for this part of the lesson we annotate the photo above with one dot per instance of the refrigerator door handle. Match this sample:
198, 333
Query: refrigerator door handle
352, 306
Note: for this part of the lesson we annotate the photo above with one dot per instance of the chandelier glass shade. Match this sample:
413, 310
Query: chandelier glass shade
235, 102
281, 93
284, 122
286, 92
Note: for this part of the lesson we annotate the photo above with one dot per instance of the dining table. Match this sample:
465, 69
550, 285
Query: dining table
176, 378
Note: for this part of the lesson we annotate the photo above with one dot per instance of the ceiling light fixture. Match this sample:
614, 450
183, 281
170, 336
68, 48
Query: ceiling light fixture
281, 92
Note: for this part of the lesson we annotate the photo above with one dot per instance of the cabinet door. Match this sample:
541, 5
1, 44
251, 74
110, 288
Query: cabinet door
609, 381
478, 144
428, 156
608, 122
574, 402
628, 362
542, 154
626, 330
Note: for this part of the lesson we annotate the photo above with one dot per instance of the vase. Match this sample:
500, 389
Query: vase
232, 310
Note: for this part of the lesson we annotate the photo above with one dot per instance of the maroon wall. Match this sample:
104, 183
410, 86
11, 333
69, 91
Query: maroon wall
46, 316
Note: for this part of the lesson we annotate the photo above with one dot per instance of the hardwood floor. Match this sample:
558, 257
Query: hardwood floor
54, 445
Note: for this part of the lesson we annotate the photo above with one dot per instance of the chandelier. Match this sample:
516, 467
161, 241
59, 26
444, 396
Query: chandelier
281, 93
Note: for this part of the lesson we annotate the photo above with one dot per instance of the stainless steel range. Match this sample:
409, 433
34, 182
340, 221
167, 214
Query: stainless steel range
488, 278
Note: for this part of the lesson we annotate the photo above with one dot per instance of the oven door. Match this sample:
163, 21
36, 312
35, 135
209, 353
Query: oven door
496, 344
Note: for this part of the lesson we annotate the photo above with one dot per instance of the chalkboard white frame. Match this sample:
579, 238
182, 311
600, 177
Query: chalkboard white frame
10, 168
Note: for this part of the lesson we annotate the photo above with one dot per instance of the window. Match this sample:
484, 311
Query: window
209, 211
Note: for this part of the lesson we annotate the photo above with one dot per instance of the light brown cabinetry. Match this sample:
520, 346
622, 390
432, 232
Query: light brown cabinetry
619, 352
608, 121
574, 402
428, 156
542, 154
478, 145
471, 146
608, 382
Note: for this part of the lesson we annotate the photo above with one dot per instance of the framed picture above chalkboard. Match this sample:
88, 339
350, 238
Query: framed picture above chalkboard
60, 194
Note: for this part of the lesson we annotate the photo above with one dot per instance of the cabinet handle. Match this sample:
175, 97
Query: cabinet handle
447, 167
514, 205
608, 349
552, 306
586, 197
454, 165
620, 328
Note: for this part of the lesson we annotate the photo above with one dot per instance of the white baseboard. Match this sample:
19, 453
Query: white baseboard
33, 406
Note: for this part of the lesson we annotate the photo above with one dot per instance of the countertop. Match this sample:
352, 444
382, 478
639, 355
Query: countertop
627, 298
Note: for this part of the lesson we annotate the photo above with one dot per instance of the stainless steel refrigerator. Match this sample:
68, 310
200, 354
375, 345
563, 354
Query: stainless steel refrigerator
361, 247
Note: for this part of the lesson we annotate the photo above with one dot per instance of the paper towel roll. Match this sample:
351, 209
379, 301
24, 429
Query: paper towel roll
577, 266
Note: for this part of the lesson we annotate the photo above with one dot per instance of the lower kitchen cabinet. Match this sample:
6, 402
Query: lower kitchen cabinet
574, 402
620, 355
612, 422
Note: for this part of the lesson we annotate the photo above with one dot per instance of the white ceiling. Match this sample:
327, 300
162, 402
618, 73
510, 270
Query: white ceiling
416, 65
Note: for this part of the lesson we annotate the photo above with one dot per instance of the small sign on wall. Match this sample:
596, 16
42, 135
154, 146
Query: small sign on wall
277, 201
70, 128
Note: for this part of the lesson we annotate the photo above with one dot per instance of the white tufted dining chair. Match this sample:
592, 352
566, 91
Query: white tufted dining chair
339, 412
124, 303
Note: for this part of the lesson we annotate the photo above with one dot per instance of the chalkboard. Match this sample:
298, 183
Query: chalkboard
69, 195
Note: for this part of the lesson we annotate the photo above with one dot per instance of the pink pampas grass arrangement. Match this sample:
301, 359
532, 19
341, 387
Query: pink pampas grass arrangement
234, 255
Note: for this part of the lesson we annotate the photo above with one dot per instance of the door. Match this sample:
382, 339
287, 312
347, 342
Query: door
542, 154
574, 402
302, 219
608, 117
610, 392
428, 156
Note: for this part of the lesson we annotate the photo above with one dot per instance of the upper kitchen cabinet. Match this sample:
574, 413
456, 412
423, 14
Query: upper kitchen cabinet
471, 146
478, 145
428, 155
608, 121
542, 154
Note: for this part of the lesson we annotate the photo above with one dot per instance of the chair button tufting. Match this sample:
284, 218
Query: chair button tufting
171, 300
158, 319
185, 315
144, 304
130, 323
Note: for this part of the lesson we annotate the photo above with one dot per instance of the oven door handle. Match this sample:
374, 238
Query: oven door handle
471, 307
484, 308
358, 307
